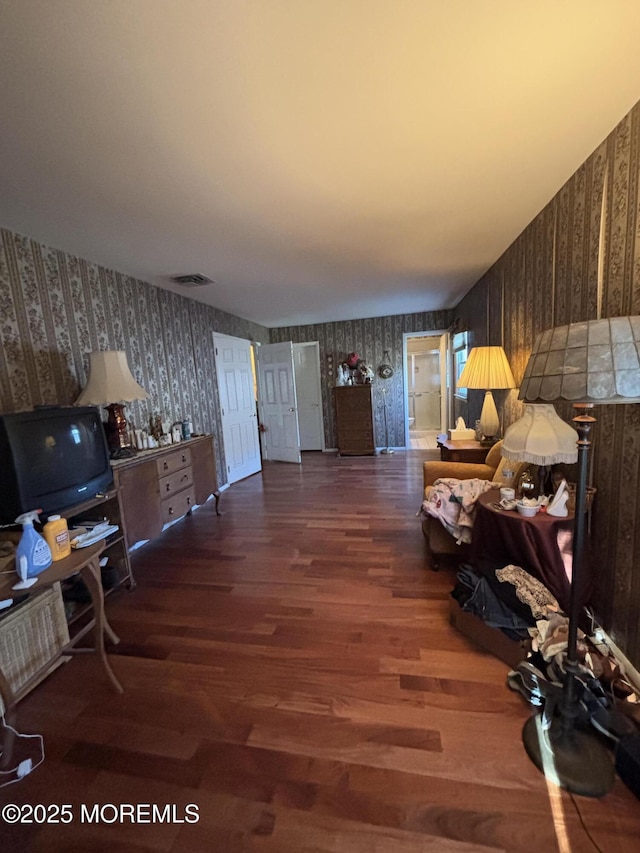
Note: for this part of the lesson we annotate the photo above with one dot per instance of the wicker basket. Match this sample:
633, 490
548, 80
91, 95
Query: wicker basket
571, 503
31, 636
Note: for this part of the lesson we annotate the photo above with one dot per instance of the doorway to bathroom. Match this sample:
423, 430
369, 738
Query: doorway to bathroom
425, 361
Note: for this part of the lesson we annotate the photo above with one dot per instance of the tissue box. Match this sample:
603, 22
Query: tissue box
462, 434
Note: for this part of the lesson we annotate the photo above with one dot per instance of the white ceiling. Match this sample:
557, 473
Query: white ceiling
320, 159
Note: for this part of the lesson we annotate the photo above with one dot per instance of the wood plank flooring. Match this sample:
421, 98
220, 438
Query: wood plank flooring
289, 668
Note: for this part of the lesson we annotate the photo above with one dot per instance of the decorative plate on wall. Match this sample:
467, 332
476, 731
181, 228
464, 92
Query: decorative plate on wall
385, 371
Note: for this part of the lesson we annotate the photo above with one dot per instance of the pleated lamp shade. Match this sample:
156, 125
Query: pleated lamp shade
487, 367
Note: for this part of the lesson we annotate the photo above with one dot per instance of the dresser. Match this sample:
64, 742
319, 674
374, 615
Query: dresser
159, 486
354, 420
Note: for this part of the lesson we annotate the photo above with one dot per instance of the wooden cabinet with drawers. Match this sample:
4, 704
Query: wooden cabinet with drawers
177, 494
354, 420
159, 486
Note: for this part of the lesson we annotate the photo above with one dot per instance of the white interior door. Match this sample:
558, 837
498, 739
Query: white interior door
278, 404
237, 401
306, 363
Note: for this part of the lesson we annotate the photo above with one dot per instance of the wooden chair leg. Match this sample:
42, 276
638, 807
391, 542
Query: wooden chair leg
430, 558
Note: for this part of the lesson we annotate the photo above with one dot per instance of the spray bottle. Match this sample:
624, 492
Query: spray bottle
33, 555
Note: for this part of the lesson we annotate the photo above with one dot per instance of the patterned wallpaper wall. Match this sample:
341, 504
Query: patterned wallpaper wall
55, 308
369, 338
564, 268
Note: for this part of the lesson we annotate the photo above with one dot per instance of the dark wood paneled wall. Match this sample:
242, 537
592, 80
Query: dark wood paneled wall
580, 259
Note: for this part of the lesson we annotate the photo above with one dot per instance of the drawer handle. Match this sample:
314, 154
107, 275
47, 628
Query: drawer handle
170, 510
165, 466
184, 477
184, 458
168, 487
188, 500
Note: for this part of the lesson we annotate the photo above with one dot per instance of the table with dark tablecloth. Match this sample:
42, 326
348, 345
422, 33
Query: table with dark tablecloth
541, 545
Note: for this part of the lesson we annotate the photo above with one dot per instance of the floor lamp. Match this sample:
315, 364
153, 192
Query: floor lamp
595, 362
386, 448
385, 372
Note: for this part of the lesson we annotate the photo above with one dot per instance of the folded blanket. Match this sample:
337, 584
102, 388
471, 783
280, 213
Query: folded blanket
453, 503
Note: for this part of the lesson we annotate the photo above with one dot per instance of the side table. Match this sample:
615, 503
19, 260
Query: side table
461, 451
541, 545
86, 563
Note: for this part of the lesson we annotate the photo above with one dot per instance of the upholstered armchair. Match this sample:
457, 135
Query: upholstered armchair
439, 541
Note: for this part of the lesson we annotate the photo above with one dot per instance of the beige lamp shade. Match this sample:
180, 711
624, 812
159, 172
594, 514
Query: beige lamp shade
110, 381
487, 367
540, 437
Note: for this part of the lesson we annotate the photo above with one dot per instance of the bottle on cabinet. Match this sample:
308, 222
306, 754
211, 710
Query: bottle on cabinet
56, 534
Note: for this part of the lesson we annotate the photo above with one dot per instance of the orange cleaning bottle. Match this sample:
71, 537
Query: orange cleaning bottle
56, 533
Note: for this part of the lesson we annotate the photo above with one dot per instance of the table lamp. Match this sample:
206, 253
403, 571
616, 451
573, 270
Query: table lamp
111, 384
541, 438
487, 368
596, 362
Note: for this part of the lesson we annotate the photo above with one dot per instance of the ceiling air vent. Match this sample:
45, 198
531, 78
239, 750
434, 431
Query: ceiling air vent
195, 279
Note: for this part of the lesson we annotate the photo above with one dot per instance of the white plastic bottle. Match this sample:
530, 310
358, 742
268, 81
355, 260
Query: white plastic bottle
32, 547
508, 477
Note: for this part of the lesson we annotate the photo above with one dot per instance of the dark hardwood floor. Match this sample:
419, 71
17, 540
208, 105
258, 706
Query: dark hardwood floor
289, 668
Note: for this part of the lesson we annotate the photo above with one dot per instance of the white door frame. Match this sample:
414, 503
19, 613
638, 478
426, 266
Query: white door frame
445, 372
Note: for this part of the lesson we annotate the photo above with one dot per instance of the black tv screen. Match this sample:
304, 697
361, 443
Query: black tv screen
50, 459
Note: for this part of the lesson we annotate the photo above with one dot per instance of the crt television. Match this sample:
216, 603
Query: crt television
50, 459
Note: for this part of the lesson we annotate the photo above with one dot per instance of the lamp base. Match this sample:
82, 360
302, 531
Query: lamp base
117, 433
489, 421
574, 759
488, 440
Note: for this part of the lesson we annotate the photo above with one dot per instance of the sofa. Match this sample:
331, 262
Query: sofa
439, 542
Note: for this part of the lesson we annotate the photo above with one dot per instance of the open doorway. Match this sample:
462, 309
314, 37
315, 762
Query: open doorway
425, 361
